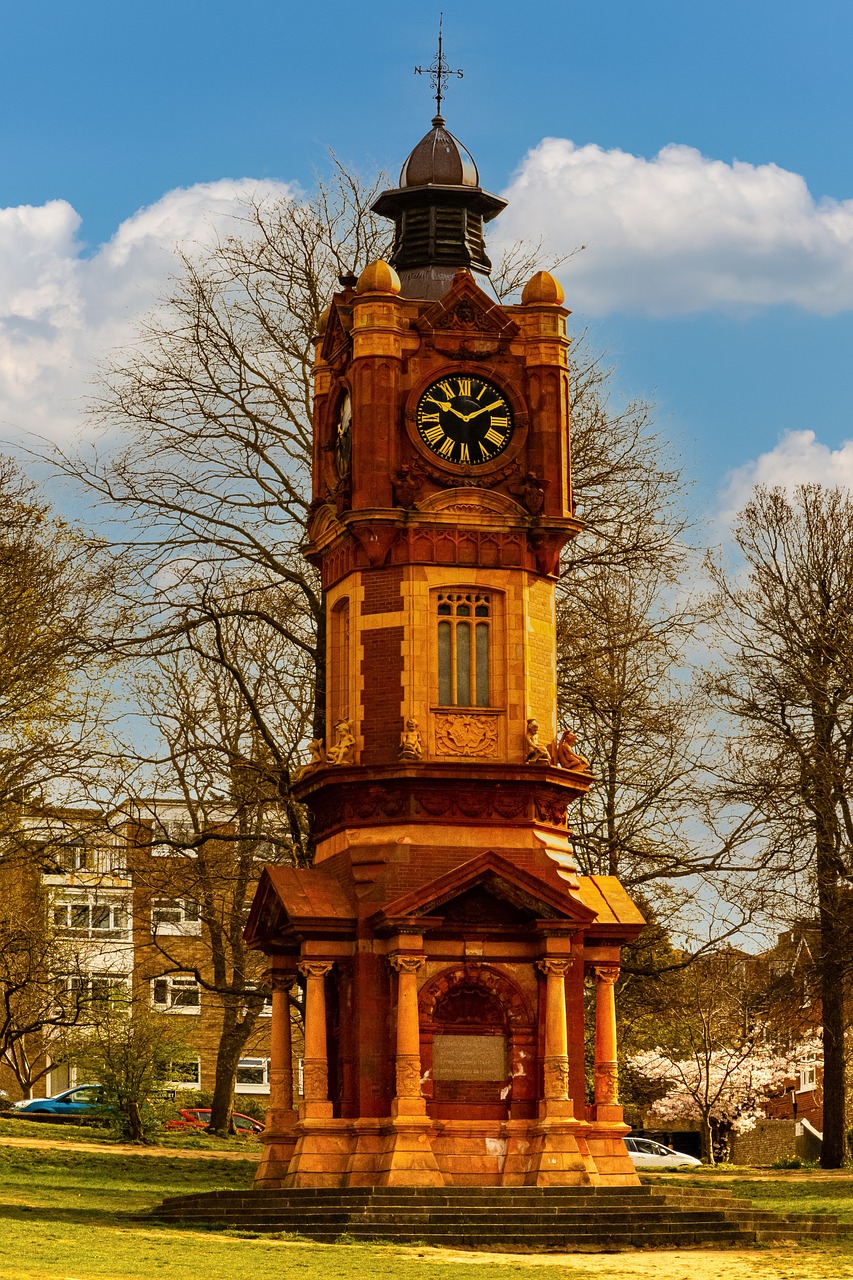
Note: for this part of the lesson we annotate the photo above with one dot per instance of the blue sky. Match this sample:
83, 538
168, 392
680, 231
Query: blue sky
108, 108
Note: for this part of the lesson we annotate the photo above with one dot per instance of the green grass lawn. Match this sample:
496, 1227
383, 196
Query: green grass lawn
183, 1139
76, 1215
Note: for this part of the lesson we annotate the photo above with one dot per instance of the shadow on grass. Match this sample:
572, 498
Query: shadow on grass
79, 1216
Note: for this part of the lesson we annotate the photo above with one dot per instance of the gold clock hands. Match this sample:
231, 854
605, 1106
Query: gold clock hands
485, 409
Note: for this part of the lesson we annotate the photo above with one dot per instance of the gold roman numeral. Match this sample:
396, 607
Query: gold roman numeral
463, 452
493, 437
446, 448
500, 422
433, 435
464, 386
447, 389
479, 395
430, 417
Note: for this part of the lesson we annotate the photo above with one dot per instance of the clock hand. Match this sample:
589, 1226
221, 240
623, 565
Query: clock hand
485, 409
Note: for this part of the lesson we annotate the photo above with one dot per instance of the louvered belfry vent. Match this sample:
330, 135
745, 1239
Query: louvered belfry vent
438, 211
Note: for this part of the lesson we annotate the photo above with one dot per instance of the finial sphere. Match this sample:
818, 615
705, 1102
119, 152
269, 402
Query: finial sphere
378, 277
542, 289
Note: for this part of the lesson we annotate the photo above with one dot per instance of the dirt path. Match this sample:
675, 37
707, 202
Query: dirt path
127, 1149
793, 1263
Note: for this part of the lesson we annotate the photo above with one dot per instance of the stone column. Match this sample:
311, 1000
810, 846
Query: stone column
279, 1138
606, 1069
556, 1083
315, 1073
409, 1100
407, 1158
281, 1048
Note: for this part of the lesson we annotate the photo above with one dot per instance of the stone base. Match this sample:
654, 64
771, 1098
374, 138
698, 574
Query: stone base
412, 1151
279, 1139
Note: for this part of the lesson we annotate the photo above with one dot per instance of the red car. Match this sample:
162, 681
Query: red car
199, 1118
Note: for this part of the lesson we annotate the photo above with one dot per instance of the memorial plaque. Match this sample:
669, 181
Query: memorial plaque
469, 1058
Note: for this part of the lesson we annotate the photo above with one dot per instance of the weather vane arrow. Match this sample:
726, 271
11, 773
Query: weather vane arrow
440, 71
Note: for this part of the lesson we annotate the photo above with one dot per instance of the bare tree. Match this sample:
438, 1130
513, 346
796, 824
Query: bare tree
56, 594
626, 619
788, 685
227, 731
42, 992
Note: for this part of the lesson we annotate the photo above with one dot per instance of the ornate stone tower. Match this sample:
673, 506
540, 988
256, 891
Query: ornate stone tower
443, 935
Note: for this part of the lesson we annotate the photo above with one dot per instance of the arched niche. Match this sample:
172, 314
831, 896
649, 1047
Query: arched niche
477, 1045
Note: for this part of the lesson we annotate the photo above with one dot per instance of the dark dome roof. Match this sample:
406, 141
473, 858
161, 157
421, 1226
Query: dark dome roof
439, 159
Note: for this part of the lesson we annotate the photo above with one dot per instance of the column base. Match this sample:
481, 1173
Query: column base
279, 1141
559, 1154
407, 1158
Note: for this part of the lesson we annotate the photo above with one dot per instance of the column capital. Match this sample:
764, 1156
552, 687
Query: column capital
555, 964
277, 981
608, 973
407, 963
315, 968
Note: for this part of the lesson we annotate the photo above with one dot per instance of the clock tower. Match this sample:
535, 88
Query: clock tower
443, 937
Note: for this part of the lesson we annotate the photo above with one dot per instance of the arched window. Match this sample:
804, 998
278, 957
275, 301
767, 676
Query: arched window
339, 693
464, 643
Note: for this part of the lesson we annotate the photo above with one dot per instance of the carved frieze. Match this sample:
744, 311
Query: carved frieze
606, 1083
466, 735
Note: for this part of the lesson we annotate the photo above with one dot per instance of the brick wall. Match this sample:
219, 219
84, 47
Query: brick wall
381, 694
382, 591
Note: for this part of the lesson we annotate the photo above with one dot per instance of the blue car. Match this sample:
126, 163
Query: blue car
74, 1105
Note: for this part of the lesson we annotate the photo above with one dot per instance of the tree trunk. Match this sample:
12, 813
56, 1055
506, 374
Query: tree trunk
231, 1042
706, 1140
135, 1127
831, 960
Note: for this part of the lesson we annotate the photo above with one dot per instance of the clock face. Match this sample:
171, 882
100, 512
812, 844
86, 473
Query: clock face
343, 437
464, 419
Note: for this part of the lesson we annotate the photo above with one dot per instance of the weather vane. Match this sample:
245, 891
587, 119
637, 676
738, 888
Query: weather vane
440, 71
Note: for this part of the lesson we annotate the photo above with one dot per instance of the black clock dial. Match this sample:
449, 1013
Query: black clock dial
343, 437
464, 419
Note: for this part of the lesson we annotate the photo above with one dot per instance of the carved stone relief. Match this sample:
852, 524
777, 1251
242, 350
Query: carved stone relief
466, 735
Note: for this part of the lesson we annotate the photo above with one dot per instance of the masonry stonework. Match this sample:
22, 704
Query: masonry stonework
444, 936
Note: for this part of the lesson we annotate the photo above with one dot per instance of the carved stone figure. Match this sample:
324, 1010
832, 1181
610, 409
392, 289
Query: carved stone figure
411, 746
318, 756
566, 757
536, 753
407, 486
343, 749
531, 493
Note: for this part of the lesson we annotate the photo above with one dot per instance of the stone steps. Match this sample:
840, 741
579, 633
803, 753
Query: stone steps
535, 1219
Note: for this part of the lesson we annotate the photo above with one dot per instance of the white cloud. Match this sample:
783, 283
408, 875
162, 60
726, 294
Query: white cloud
61, 310
681, 233
798, 458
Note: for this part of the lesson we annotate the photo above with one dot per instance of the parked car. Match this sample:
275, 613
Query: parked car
199, 1118
72, 1106
653, 1155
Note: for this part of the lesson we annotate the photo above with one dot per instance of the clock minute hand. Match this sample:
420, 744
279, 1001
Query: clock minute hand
485, 409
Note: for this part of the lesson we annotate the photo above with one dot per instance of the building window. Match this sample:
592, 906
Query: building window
253, 1075
99, 988
339, 641
266, 1009
185, 1074
176, 916
808, 1076
177, 993
90, 917
464, 644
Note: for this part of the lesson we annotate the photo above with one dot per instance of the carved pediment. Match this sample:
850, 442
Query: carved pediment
484, 907
472, 500
466, 311
337, 344
491, 875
